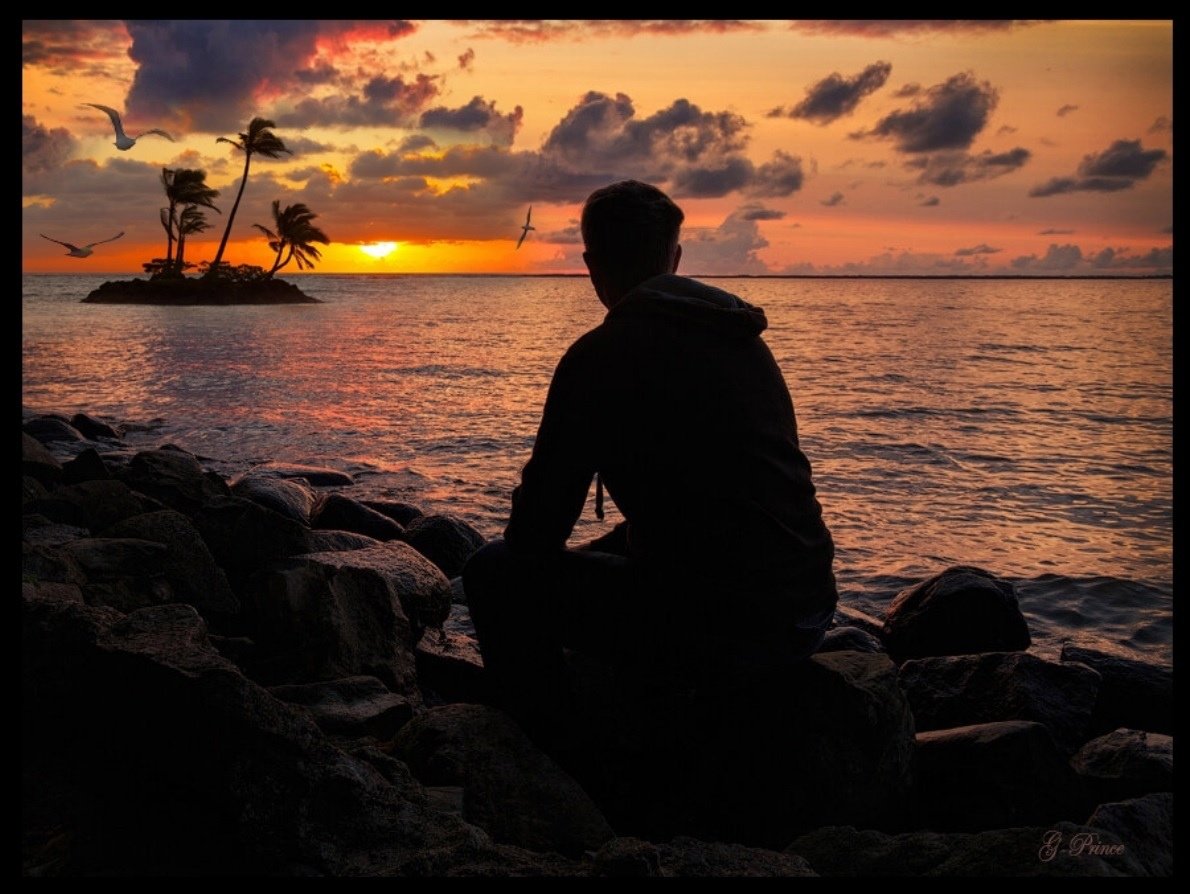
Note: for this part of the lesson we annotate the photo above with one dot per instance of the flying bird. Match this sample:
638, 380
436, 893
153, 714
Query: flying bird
526, 228
123, 141
83, 251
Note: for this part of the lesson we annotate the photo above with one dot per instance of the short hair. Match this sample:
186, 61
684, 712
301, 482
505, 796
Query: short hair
632, 225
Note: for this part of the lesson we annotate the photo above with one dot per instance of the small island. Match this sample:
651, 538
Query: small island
292, 238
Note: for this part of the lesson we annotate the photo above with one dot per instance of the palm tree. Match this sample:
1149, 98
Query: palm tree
191, 220
294, 232
257, 140
183, 187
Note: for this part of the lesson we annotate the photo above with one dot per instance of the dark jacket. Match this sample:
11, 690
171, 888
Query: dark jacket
680, 407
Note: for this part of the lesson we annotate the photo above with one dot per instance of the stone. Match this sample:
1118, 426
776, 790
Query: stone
40, 531
340, 513
175, 478
849, 616
37, 462
961, 611
959, 690
401, 513
31, 491
244, 536
92, 428
1132, 694
446, 541
123, 573
685, 857
628, 858
316, 476
291, 497
850, 639
1125, 764
449, 663
87, 466
1143, 826
48, 429
512, 790
355, 707
93, 504
337, 541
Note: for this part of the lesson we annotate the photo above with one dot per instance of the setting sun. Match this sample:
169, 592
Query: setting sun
378, 249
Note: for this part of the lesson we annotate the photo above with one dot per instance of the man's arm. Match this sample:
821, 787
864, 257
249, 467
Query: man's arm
555, 480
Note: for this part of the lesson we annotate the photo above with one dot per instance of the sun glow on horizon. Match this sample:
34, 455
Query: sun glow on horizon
379, 249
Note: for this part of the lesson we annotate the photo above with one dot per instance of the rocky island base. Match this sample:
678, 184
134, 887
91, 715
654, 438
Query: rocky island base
189, 291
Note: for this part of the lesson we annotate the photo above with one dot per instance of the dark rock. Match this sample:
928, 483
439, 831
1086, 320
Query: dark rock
48, 429
244, 536
687, 858
337, 541
1142, 826
87, 466
190, 568
964, 689
511, 790
396, 772
52, 590
961, 611
446, 541
175, 478
1132, 694
992, 776
339, 614
291, 497
401, 513
628, 858
317, 476
37, 462
198, 290
340, 513
449, 663
850, 639
354, 706
31, 490
94, 504
1125, 764
239, 650
458, 594
93, 428
123, 573
848, 616
49, 564
40, 531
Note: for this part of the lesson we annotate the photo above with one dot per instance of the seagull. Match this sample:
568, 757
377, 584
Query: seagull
526, 228
123, 141
83, 251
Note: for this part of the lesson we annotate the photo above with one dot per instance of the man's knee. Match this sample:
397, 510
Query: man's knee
486, 573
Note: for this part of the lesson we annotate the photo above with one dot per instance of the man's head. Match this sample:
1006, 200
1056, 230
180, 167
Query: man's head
630, 233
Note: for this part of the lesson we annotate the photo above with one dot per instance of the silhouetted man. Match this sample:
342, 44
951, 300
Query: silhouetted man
722, 566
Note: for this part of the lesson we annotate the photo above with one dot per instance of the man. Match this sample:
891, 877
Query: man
723, 565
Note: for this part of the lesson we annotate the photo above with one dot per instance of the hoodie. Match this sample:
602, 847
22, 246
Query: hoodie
679, 406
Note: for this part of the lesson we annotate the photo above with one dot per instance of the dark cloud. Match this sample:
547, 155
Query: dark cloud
1066, 110
466, 59
43, 149
1005, 129
729, 248
782, 176
384, 101
880, 28
947, 116
1116, 168
931, 202
953, 168
477, 115
304, 146
835, 95
981, 249
1057, 257
753, 211
834, 199
538, 30
321, 73
65, 46
714, 180
907, 90
1056, 186
1054, 231
1161, 125
415, 142
568, 235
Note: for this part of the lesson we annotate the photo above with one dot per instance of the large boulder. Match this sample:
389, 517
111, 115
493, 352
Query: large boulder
31, 491
244, 536
94, 504
689, 858
93, 428
449, 663
1125, 764
510, 788
354, 707
850, 639
291, 497
446, 541
124, 573
336, 541
1132, 693
339, 513
401, 513
1144, 828
38, 530
316, 476
50, 428
960, 690
993, 776
175, 478
957, 612
87, 466
37, 462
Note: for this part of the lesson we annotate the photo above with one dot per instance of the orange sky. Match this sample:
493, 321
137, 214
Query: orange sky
807, 147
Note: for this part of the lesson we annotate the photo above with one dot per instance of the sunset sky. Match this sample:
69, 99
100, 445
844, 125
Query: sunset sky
794, 147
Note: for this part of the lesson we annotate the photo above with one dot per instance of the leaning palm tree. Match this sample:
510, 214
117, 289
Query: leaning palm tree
294, 236
257, 140
191, 220
183, 187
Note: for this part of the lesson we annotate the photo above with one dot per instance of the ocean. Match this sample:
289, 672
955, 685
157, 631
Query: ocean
1022, 426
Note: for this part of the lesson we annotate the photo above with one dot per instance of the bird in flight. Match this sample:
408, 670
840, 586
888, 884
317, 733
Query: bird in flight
81, 251
526, 228
123, 141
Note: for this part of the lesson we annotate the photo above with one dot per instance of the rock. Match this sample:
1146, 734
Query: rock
31, 490
511, 790
244, 536
1125, 764
316, 476
340, 614
628, 858
186, 290
848, 616
92, 428
48, 429
992, 776
687, 858
49, 564
175, 478
52, 590
37, 462
340, 513
291, 497
850, 639
337, 541
40, 531
123, 573
446, 541
458, 594
1132, 694
190, 568
449, 663
963, 610
965, 689
1142, 826
94, 504
401, 513
354, 706
87, 466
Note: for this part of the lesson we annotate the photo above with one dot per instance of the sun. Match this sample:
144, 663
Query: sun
378, 249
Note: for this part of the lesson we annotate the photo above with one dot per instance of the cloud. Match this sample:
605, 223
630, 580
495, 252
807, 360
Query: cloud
300, 145
1161, 125
835, 96
571, 234
905, 91
729, 248
981, 249
782, 176
834, 199
754, 211
895, 262
43, 149
466, 59
713, 180
953, 168
1057, 257
383, 101
1069, 258
947, 116
931, 202
1005, 129
539, 30
321, 73
881, 28
415, 142
1066, 110
74, 46
1054, 231
1116, 168
476, 115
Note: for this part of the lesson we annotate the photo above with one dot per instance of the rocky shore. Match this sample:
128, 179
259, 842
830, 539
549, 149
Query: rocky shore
264, 676
194, 290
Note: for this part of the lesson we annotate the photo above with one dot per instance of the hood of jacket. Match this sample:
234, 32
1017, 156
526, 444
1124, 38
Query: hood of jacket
690, 302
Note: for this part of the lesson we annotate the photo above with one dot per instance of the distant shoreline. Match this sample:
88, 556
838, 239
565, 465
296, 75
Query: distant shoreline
990, 276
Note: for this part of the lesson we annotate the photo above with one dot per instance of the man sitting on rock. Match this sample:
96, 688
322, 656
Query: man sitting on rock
722, 567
